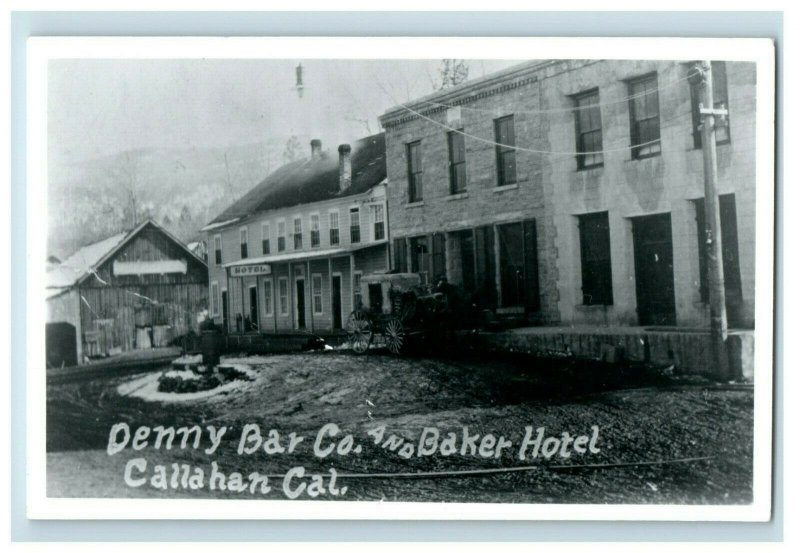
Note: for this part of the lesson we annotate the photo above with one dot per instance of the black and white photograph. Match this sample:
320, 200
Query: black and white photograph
532, 283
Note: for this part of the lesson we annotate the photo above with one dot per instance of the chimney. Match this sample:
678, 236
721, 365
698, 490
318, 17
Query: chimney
345, 167
316, 149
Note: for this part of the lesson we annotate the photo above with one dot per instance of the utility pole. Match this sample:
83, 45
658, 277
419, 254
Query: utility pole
713, 241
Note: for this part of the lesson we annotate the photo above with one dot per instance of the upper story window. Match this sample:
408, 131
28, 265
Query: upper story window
414, 156
458, 162
645, 126
218, 249
243, 242
333, 227
719, 82
378, 221
265, 238
315, 230
281, 235
355, 225
298, 233
588, 130
506, 153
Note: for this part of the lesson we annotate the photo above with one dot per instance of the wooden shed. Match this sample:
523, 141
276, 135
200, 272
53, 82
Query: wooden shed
134, 290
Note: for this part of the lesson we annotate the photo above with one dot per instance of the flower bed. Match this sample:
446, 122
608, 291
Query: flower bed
188, 382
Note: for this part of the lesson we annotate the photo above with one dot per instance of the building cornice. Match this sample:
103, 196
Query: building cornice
468, 92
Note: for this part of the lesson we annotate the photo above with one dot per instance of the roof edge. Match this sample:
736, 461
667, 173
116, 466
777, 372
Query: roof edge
462, 91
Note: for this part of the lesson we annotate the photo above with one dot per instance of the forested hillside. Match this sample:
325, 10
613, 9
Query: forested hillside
180, 189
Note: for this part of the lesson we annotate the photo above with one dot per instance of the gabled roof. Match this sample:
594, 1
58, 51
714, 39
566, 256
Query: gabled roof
311, 180
86, 260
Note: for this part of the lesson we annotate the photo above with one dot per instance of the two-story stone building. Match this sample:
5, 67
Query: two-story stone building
572, 191
288, 255
467, 208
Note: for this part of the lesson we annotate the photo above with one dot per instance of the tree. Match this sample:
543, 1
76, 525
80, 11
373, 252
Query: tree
293, 150
129, 179
453, 72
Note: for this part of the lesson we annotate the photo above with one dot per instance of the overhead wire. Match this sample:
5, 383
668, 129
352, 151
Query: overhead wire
662, 125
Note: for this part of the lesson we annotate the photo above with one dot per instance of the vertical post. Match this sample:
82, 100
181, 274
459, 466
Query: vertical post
716, 278
311, 286
241, 293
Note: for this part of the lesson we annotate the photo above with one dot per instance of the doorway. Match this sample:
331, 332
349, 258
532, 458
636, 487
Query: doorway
225, 311
336, 299
652, 257
300, 300
519, 269
253, 309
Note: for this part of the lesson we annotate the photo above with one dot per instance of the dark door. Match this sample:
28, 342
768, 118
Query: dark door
62, 347
485, 268
336, 299
253, 308
652, 253
225, 310
519, 278
300, 286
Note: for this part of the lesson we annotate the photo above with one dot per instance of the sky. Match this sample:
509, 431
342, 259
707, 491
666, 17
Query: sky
98, 107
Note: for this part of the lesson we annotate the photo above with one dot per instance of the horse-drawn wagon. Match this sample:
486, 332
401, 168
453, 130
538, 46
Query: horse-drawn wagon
396, 308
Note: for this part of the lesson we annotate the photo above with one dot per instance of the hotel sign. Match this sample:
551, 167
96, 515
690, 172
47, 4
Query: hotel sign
250, 270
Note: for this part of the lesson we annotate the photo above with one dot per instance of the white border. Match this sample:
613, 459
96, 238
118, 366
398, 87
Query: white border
40, 50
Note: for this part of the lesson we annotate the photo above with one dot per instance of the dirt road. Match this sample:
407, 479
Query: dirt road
638, 419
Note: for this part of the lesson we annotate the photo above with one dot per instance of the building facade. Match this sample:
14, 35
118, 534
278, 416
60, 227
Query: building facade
134, 290
572, 191
288, 256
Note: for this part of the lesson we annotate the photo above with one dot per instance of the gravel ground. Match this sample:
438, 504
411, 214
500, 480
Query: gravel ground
641, 418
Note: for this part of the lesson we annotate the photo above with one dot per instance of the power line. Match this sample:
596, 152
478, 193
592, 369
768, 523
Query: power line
546, 152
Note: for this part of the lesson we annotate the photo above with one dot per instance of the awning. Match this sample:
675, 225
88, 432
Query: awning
305, 255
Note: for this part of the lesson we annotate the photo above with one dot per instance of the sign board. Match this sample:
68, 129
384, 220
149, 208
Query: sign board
250, 270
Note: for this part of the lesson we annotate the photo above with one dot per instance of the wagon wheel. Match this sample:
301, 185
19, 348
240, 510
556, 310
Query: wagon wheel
395, 335
359, 332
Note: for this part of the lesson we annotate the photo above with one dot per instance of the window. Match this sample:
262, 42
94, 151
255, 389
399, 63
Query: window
355, 226
281, 235
458, 164
316, 293
730, 247
315, 230
399, 249
506, 153
218, 249
298, 233
464, 258
333, 224
414, 157
378, 222
283, 295
215, 299
719, 82
268, 296
357, 301
265, 238
645, 127
595, 259
588, 130
438, 259
243, 242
